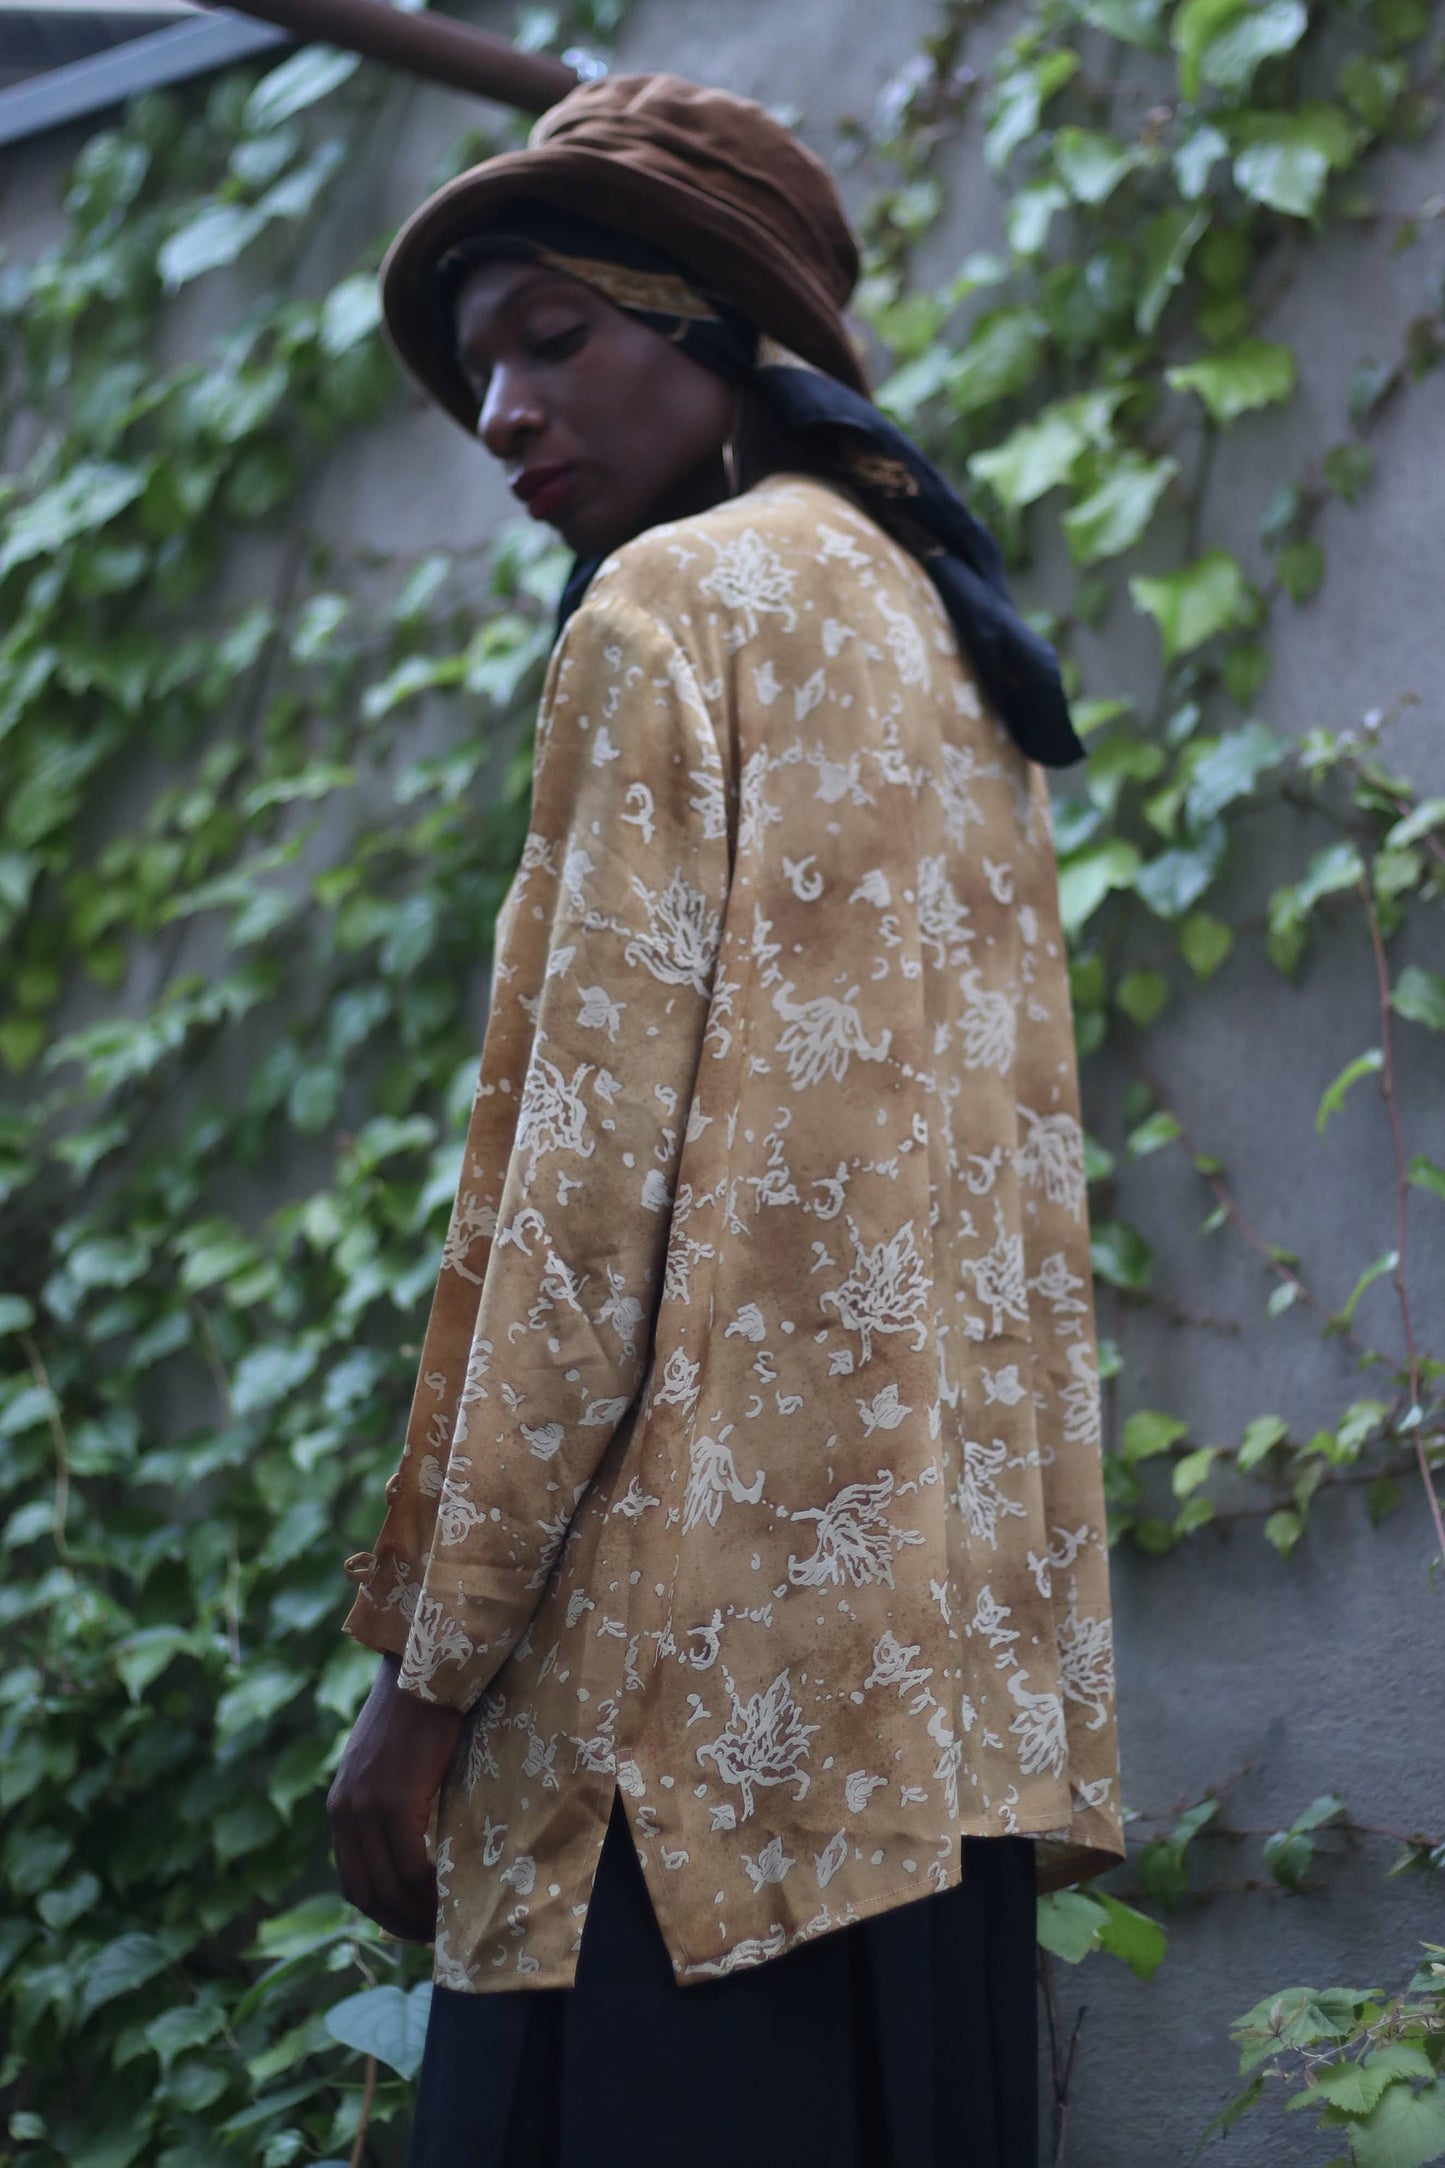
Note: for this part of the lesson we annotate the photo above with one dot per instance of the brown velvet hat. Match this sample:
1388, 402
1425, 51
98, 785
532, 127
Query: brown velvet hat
747, 213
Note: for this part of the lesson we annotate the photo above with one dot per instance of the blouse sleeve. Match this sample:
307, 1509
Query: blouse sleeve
540, 1332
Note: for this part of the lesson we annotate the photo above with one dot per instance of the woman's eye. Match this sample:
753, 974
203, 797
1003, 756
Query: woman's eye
558, 345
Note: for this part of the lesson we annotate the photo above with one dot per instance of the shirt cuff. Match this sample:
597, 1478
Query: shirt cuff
380, 1626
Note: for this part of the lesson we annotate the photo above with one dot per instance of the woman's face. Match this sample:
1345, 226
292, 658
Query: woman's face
603, 426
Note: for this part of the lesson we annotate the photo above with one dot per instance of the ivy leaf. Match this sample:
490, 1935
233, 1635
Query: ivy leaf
1194, 604
350, 313
1337, 867
1177, 878
1040, 454
61, 1908
1149, 1433
1424, 1174
1121, 1256
142, 1657
1230, 770
1353, 2088
1003, 354
315, 1923
295, 194
1086, 880
16, 1315
1195, 23
1135, 22
1357, 1427
266, 1374
1152, 1135
1285, 159
1091, 165
1405, 2130
1164, 1862
1261, 1436
266, 1688
1320, 1812
1118, 760
1223, 42
387, 2022
1419, 997
904, 394
1143, 997
1372, 87
1283, 1530
85, 499
1030, 216
1367, 1064
1283, 174
1421, 821
1018, 101
302, 81
1297, 2017
1301, 568
1377, 1270
1197, 157
1166, 245
1288, 1854
1069, 1924
217, 236
1348, 467
1132, 1936
122, 1966
1118, 509
1369, 384
1205, 943
1192, 1470
1255, 373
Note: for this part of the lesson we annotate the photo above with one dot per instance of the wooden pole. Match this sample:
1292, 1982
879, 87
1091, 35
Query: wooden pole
434, 46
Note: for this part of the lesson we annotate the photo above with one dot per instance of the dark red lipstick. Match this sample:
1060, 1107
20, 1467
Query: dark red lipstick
543, 490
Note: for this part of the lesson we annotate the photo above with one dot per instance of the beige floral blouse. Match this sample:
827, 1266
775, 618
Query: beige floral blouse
754, 1462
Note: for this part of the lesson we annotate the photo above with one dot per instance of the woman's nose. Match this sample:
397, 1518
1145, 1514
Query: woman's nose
510, 413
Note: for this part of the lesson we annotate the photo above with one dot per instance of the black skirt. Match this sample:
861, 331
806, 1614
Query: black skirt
907, 2040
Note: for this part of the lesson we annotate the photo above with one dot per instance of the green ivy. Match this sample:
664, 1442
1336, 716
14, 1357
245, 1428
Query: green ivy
250, 858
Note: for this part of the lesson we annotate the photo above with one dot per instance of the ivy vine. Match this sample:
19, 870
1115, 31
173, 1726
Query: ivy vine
1165, 167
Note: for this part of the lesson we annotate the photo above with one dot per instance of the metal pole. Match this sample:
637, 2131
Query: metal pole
434, 46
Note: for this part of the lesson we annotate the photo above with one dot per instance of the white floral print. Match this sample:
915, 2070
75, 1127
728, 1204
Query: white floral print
764, 1743
887, 1290
821, 1036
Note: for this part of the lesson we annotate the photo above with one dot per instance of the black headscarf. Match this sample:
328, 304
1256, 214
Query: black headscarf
840, 434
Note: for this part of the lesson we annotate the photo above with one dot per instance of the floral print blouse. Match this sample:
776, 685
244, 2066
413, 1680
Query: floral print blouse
753, 1469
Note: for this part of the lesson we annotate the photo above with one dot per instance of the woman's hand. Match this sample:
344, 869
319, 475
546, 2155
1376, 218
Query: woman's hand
380, 1803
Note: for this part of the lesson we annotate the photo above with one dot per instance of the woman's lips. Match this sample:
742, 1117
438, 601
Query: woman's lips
544, 490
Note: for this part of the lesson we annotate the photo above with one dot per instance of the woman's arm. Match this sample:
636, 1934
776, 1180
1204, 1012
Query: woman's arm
603, 994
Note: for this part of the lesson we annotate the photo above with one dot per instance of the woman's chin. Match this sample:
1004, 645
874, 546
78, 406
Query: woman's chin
596, 537
595, 530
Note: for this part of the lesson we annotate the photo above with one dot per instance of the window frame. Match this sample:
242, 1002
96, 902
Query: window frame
197, 45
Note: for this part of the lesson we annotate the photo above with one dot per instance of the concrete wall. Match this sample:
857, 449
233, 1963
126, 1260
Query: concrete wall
1289, 1678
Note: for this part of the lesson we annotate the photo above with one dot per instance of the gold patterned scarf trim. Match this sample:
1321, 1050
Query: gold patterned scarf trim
657, 293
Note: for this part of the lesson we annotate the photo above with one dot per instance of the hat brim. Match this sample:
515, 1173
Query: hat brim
724, 252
